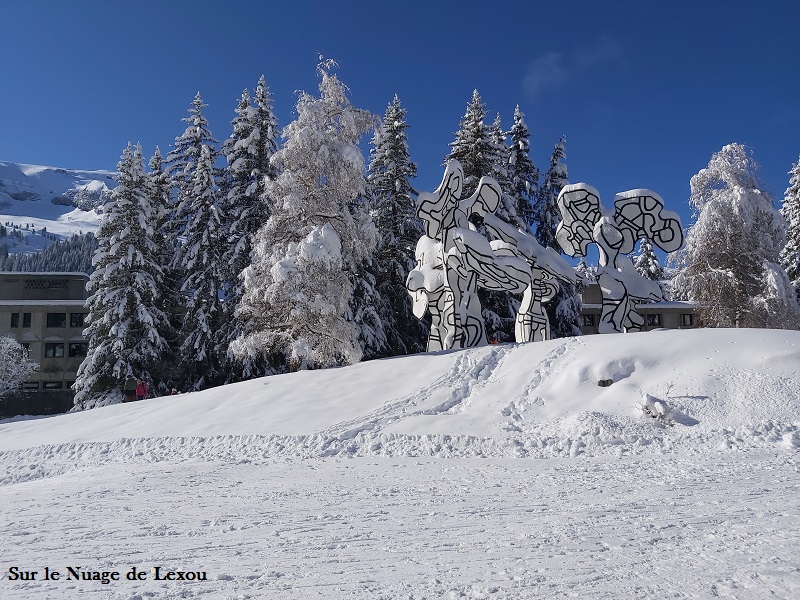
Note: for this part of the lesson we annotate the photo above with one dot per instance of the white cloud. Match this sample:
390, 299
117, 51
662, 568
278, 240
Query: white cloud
552, 70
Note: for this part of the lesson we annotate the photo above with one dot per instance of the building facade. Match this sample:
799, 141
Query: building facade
45, 312
657, 315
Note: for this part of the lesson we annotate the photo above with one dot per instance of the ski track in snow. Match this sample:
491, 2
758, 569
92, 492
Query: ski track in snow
466, 375
527, 400
637, 527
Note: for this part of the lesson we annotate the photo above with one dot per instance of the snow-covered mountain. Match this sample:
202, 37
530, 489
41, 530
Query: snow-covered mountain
498, 472
62, 201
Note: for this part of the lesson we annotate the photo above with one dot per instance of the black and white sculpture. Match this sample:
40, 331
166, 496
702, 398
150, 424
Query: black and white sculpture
637, 213
453, 260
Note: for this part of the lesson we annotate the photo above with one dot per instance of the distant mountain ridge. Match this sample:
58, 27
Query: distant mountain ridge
40, 204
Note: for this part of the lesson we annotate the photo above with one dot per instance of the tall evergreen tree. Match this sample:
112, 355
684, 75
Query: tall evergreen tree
647, 265
564, 309
729, 264
181, 166
547, 215
473, 146
523, 174
501, 160
248, 151
158, 189
125, 324
182, 161
790, 254
393, 209
200, 256
297, 288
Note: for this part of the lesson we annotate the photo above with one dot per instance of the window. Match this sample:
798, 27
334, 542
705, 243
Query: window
31, 386
78, 348
587, 320
26, 345
14, 319
55, 350
654, 320
76, 319
26, 319
52, 385
687, 320
56, 319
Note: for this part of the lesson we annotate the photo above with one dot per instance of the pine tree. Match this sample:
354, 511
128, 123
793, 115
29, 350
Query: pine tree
297, 289
524, 176
547, 215
158, 190
564, 309
647, 265
729, 264
183, 159
182, 163
125, 324
473, 146
248, 151
393, 209
200, 257
500, 160
790, 254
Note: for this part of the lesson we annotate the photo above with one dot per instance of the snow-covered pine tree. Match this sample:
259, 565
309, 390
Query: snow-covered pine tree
181, 164
790, 254
200, 257
248, 151
297, 289
523, 174
546, 213
473, 146
564, 309
585, 272
393, 209
183, 159
158, 189
125, 324
501, 160
72, 255
647, 265
729, 264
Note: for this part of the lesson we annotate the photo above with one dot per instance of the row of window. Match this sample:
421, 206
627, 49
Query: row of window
33, 386
56, 349
53, 319
653, 320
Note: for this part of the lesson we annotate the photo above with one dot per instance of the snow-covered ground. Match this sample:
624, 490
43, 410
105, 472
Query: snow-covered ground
497, 472
44, 197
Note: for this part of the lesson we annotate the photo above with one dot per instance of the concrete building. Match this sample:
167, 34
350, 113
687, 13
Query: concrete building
657, 315
45, 313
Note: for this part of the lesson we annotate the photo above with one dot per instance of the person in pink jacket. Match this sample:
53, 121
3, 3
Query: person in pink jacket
141, 390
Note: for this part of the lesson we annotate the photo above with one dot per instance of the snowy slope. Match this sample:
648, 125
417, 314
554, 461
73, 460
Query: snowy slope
519, 398
41, 196
497, 472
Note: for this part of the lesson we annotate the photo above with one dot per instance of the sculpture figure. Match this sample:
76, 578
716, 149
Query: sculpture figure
637, 213
453, 260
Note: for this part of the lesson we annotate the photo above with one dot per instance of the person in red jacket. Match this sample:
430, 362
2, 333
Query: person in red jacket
141, 390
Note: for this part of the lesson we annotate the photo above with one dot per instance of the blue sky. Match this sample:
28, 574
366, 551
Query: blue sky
644, 91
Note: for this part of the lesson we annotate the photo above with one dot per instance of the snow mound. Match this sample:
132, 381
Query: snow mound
705, 391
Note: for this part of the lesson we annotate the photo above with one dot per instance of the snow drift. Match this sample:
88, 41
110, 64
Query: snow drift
710, 389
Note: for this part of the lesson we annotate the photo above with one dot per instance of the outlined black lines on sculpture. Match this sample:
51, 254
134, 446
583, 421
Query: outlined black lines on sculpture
637, 213
454, 260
